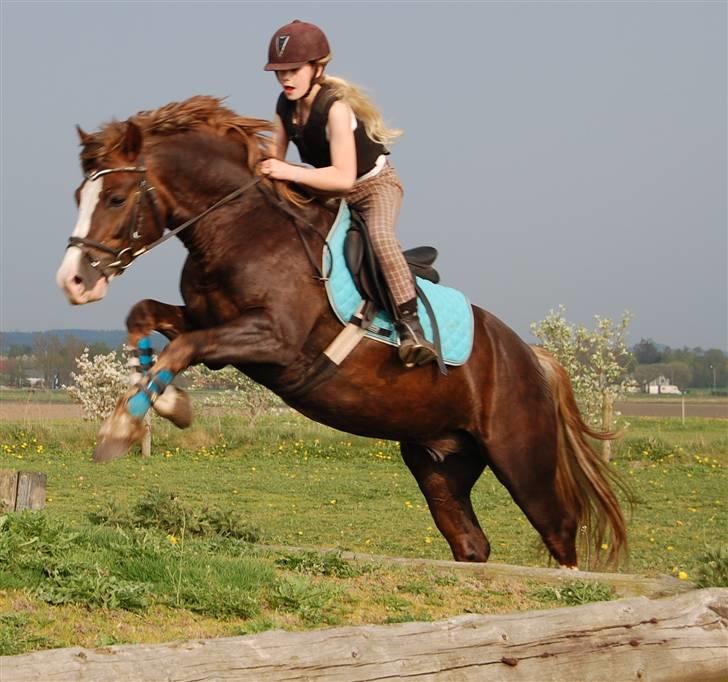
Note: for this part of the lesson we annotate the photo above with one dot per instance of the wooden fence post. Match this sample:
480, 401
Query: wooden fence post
21, 490
147, 438
607, 423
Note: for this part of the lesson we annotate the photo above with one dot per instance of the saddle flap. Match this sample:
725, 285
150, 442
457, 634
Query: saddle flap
421, 256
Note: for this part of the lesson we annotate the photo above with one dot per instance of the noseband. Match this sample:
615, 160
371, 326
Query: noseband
124, 257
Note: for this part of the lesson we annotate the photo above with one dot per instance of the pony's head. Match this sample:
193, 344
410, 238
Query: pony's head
122, 204
117, 215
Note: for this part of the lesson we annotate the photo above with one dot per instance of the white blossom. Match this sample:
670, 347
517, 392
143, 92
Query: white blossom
595, 360
99, 382
228, 387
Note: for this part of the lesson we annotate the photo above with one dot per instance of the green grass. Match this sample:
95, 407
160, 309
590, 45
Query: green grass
169, 537
305, 485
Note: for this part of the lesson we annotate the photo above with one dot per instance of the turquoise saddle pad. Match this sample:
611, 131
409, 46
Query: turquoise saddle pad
452, 309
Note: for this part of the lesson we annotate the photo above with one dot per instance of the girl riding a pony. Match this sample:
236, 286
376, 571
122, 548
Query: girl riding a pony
339, 132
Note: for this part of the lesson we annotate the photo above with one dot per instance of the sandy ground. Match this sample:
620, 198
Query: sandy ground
36, 411
30, 411
649, 408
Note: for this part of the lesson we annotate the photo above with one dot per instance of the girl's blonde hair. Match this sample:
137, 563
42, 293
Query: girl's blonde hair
362, 106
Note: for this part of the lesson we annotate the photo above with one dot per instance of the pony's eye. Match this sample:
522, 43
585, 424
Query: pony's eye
116, 201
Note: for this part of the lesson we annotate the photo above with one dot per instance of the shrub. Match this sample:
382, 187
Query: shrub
165, 511
595, 360
232, 389
312, 563
94, 588
574, 593
98, 383
713, 570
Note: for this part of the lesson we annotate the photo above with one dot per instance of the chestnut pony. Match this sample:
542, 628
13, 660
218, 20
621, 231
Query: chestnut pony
254, 299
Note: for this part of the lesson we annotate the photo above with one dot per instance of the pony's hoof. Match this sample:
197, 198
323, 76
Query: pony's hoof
111, 448
174, 404
118, 433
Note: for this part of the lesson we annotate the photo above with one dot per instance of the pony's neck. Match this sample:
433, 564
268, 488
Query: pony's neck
195, 170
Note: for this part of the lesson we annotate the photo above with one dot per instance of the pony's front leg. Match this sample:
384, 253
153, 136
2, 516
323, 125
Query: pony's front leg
252, 338
144, 318
125, 425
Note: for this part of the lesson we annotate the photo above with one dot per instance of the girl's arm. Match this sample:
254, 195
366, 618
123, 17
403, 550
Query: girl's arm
279, 141
340, 175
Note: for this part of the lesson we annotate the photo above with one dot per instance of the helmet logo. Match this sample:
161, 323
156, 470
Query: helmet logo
281, 43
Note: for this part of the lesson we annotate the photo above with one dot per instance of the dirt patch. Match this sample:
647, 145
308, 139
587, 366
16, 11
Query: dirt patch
36, 411
649, 408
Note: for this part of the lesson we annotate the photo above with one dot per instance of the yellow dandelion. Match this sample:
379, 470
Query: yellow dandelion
682, 575
172, 539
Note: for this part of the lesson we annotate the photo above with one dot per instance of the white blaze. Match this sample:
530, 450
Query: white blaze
90, 193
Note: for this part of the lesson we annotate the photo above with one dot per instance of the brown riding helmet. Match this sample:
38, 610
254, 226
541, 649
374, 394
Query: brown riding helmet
296, 44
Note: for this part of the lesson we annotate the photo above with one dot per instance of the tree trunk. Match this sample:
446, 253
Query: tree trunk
607, 423
680, 639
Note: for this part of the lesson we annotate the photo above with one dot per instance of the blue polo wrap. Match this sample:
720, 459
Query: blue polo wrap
141, 401
144, 353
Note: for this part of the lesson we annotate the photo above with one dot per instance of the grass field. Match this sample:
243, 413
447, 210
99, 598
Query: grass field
123, 549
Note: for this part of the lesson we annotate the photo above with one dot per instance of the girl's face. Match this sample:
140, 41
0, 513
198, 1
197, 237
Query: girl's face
296, 82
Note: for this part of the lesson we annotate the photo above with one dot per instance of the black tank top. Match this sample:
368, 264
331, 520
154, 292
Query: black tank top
310, 139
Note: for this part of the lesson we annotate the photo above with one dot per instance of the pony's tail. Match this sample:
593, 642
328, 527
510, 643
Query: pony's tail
584, 481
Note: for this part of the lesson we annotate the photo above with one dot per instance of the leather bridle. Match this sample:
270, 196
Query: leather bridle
124, 257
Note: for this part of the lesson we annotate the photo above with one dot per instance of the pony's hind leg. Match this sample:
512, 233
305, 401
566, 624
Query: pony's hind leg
529, 475
446, 486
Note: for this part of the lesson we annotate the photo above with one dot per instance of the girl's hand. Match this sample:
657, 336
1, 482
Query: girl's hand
279, 170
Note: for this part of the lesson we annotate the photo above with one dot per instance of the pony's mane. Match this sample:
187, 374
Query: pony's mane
176, 117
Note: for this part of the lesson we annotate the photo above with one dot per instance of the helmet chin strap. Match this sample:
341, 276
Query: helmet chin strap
315, 81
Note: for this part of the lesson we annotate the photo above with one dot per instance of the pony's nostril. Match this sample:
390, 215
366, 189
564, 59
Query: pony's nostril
77, 280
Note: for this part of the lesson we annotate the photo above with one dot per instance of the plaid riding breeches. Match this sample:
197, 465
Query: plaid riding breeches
378, 200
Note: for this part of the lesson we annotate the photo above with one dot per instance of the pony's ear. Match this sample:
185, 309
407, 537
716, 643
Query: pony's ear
131, 143
83, 136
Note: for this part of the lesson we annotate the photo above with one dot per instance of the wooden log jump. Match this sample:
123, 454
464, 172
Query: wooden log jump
20, 490
680, 638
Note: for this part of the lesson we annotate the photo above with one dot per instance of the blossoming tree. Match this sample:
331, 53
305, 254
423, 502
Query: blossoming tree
596, 361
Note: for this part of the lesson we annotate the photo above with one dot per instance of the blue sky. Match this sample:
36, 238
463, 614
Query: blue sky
566, 153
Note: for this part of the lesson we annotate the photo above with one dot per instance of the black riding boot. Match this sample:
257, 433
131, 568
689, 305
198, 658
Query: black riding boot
414, 348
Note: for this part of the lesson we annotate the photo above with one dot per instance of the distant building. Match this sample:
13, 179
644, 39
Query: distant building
662, 385
33, 378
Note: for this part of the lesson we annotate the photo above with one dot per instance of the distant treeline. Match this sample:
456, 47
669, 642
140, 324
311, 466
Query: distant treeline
684, 367
52, 355
26, 357
112, 338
